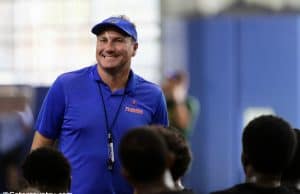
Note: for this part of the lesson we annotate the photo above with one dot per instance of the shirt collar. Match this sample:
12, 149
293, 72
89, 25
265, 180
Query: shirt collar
131, 83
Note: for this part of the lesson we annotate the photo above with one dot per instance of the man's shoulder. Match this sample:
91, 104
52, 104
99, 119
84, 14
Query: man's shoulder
142, 83
76, 74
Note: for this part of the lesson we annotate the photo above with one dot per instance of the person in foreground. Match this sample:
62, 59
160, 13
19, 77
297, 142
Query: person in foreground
181, 153
47, 170
146, 161
90, 109
268, 147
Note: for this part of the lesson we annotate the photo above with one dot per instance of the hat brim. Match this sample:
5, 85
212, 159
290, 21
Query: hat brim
99, 28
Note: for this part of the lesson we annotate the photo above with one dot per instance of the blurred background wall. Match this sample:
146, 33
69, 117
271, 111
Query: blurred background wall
243, 59
242, 56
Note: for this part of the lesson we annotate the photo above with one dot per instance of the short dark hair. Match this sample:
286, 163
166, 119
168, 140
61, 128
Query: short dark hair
143, 154
179, 147
178, 75
48, 170
292, 173
269, 143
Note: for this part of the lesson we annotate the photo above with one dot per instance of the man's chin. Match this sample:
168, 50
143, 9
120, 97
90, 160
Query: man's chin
110, 70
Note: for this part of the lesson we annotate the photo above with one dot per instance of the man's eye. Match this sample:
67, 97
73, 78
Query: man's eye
102, 40
120, 40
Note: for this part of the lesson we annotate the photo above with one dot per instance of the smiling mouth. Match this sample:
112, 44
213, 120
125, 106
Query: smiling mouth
108, 56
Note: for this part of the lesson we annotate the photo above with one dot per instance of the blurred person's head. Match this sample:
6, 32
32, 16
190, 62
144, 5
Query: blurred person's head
116, 43
48, 170
144, 157
268, 146
176, 83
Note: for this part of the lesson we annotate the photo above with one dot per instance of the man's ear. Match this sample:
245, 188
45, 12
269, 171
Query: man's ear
247, 166
244, 159
135, 47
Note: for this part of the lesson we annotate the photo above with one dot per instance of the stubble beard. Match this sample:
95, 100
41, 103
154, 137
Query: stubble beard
114, 71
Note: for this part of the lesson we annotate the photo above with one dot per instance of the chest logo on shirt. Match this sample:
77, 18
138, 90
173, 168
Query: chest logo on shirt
134, 110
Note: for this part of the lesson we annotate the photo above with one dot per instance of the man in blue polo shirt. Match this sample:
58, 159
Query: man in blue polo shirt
88, 111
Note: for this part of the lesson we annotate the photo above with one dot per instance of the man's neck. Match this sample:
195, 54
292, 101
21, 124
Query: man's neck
151, 188
115, 81
164, 184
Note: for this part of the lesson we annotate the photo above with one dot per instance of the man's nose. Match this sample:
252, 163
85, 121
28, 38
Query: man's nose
109, 46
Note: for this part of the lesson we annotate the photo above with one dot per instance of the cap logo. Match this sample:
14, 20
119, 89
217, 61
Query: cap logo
114, 21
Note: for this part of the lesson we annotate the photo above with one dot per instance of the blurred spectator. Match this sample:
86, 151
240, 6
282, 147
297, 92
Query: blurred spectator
47, 169
291, 176
268, 147
16, 121
183, 109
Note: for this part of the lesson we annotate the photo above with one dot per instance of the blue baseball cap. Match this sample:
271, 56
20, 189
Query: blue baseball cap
123, 24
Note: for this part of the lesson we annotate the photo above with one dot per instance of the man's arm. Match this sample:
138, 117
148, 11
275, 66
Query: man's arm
40, 141
181, 115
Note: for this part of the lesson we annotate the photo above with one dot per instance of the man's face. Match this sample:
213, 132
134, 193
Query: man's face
114, 50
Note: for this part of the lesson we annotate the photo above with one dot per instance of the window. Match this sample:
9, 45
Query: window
41, 39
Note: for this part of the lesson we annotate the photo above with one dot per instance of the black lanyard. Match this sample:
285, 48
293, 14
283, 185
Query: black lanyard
111, 156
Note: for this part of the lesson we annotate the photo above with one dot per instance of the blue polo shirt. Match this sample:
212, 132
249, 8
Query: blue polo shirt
73, 113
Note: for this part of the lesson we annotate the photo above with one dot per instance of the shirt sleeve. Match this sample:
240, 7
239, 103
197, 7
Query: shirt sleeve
161, 113
51, 115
